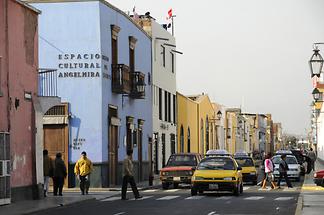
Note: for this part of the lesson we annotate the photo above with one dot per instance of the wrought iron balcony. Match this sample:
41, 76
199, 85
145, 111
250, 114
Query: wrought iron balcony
47, 82
138, 85
121, 79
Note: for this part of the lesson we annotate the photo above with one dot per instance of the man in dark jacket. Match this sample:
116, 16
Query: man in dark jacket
47, 170
59, 174
283, 168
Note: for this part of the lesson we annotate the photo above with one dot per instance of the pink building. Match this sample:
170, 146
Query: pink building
18, 89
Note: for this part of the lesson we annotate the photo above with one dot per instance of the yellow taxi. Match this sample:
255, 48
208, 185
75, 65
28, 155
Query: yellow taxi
217, 173
249, 171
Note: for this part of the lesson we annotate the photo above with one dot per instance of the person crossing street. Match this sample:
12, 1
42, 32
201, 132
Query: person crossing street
128, 176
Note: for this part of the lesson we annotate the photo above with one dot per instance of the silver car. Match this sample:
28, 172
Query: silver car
294, 167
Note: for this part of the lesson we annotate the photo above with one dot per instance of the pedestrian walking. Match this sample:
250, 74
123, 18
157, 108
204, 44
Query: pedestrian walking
311, 154
128, 176
82, 170
48, 170
60, 174
268, 169
283, 168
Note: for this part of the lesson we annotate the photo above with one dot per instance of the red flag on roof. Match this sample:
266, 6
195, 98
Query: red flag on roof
170, 13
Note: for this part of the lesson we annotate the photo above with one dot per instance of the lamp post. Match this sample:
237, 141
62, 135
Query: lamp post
316, 61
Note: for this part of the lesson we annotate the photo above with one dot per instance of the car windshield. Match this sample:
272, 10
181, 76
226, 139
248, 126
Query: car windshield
244, 162
182, 160
289, 160
217, 164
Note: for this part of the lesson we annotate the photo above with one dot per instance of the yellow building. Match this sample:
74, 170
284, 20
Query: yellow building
196, 123
231, 129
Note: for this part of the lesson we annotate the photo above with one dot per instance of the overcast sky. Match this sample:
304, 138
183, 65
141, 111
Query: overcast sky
252, 53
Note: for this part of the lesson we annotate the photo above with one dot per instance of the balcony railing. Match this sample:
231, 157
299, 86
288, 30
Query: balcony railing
47, 82
121, 79
138, 85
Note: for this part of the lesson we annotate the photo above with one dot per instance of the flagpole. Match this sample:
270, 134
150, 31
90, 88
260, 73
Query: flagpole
172, 24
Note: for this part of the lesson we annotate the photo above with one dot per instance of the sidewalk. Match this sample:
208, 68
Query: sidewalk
311, 198
70, 196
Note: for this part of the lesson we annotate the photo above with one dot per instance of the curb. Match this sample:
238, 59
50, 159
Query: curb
299, 207
59, 206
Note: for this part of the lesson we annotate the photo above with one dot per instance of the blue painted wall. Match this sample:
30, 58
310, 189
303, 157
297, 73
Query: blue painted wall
69, 29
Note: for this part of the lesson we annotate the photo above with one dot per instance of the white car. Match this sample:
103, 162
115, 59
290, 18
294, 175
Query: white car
294, 167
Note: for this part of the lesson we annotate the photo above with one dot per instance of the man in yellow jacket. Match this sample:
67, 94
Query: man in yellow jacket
82, 170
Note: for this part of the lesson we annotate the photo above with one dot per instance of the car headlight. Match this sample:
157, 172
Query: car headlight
164, 173
252, 173
315, 175
228, 179
190, 173
198, 178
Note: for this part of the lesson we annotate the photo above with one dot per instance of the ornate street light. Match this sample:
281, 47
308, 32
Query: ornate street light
219, 115
316, 62
316, 94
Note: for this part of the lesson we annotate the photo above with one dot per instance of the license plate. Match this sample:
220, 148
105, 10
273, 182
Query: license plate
176, 178
213, 186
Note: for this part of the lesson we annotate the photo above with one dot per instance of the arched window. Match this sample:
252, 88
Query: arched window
207, 134
188, 139
181, 139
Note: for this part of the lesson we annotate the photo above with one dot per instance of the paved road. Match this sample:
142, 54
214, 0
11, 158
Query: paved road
178, 201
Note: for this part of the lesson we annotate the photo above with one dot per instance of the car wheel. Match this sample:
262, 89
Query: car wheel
193, 191
255, 182
175, 185
298, 179
165, 186
201, 191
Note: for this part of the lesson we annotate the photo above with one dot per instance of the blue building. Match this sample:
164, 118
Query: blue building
103, 62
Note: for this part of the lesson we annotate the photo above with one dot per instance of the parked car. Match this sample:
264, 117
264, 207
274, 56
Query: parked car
249, 171
284, 152
319, 178
217, 173
294, 167
179, 169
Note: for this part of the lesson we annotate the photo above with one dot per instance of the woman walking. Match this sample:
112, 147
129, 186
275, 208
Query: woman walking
268, 168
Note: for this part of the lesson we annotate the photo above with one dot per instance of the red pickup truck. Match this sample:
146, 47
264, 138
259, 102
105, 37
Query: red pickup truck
178, 169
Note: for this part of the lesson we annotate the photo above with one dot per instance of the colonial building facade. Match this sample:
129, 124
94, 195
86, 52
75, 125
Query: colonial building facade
18, 91
104, 76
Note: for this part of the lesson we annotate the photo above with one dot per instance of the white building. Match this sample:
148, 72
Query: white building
163, 90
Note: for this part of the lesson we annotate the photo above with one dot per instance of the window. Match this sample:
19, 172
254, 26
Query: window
169, 107
160, 104
174, 109
165, 106
188, 140
132, 43
181, 139
114, 43
172, 62
163, 56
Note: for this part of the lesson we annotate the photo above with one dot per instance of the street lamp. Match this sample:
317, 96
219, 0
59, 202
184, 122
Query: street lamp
316, 94
219, 115
316, 62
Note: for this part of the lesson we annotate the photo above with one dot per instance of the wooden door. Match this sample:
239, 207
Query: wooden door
55, 141
140, 155
113, 154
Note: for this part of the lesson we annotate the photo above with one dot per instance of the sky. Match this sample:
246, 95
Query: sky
245, 53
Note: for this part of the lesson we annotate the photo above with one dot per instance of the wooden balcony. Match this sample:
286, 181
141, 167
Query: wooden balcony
138, 85
121, 79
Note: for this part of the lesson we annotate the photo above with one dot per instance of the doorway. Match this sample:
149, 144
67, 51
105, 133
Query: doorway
114, 122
